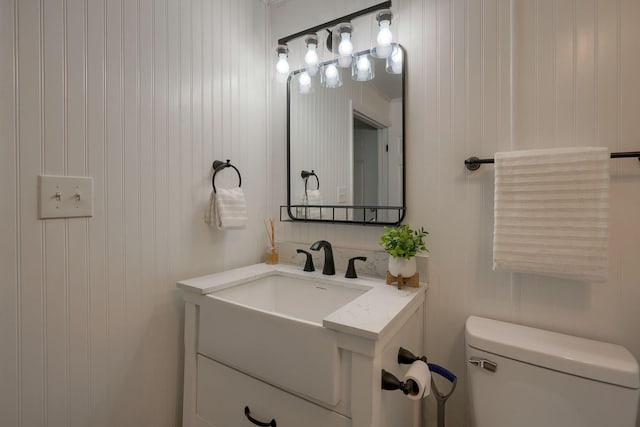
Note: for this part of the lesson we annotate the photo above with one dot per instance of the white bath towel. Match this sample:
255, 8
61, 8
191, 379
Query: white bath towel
551, 212
227, 208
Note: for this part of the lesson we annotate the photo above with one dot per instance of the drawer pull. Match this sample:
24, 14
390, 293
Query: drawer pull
247, 413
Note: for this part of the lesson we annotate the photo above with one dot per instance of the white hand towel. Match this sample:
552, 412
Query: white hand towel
551, 212
209, 213
313, 198
229, 209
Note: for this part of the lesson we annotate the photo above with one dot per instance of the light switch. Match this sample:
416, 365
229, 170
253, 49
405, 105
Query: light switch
65, 196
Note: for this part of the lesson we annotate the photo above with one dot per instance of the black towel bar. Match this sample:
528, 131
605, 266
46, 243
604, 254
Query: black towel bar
474, 163
219, 165
305, 175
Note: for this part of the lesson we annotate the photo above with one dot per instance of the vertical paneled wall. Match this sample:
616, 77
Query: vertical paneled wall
576, 83
499, 75
141, 95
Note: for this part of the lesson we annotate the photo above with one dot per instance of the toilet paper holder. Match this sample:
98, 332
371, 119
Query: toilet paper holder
406, 357
391, 382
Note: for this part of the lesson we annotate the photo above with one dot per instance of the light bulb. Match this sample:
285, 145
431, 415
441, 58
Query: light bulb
331, 76
345, 47
362, 70
331, 72
384, 38
311, 57
364, 66
305, 83
384, 35
394, 61
282, 67
363, 63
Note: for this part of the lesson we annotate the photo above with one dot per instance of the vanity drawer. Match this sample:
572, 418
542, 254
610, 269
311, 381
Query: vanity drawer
223, 393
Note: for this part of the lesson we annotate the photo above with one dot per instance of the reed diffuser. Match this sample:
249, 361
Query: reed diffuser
272, 252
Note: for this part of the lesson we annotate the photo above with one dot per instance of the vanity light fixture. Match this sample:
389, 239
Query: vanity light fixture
282, 67
311, 57
362, 68
330, 76
385, 37
345, 48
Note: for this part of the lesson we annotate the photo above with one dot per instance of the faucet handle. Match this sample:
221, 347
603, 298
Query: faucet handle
351, 269
308, 265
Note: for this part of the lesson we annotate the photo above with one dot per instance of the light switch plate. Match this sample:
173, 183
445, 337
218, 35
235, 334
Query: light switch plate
65, 196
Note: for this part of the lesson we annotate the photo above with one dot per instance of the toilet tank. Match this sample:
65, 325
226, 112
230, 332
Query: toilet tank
525, 377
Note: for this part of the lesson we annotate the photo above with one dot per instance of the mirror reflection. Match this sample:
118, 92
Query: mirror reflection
346, 141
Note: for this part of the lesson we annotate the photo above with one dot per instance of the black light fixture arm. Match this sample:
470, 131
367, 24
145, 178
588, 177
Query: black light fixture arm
334, 22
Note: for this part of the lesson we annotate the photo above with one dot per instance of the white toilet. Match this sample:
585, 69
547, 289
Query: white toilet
524, 377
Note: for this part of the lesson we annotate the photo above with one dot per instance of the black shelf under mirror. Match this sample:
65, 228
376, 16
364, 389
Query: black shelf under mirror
342, 214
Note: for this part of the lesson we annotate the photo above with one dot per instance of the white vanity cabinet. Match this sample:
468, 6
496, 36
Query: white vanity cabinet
223, 395
222, 390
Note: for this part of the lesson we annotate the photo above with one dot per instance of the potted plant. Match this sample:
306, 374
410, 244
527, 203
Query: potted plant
403, 243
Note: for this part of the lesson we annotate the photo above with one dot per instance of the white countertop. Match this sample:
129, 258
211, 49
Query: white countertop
367, 315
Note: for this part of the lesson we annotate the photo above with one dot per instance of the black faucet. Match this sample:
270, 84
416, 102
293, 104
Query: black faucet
329, 267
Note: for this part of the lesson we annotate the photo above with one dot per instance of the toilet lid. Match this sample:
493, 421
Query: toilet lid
586, 358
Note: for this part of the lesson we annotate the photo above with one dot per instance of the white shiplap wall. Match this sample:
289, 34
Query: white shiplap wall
142, 95
498, 75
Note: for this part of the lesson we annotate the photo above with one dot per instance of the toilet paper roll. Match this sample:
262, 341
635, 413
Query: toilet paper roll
420, 373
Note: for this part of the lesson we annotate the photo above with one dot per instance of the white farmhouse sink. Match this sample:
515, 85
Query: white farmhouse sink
301, 298
282, 325
270, 326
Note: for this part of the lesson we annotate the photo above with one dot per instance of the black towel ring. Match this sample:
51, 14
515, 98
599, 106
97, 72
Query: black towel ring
305, 175
219, 165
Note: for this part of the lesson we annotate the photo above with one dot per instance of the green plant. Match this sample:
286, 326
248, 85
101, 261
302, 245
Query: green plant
403, 242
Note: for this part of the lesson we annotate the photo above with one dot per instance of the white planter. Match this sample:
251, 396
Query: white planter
402, 266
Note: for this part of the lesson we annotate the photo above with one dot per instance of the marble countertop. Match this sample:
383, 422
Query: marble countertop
368, 315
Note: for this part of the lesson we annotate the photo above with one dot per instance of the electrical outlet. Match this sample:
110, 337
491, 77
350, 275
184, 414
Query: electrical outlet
65, 196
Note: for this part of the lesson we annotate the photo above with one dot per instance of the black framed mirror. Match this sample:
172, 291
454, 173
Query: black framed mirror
345, 144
